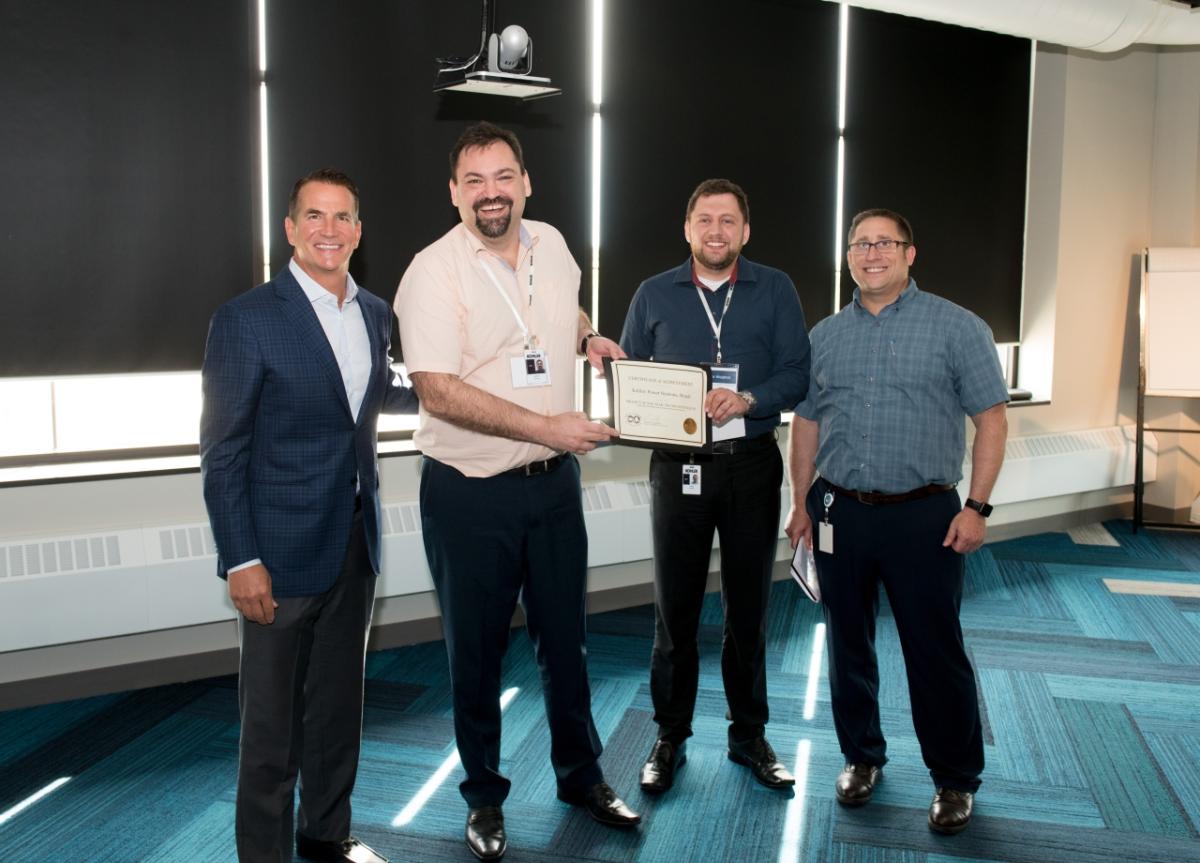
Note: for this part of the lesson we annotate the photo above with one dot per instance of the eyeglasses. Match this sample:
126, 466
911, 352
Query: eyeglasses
884, 247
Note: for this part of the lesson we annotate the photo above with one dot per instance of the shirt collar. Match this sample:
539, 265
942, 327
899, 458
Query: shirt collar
910, 291
525, 236
315, 292
747, 271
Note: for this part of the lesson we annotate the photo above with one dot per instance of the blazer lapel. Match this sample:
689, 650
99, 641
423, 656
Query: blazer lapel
307, 329
374, 337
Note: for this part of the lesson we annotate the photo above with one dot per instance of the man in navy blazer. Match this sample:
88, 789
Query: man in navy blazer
296, 373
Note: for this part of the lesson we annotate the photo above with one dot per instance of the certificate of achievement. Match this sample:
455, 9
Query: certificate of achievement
659, 405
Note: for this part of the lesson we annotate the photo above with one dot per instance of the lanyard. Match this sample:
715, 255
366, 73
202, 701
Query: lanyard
508, 301
712, 322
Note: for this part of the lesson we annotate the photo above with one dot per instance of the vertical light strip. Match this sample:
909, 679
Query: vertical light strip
843, 47
263, 151
793, 823
599, 393
843, 61
597, 52
439, 776
13, 812
597, 95
814, 671
595, 209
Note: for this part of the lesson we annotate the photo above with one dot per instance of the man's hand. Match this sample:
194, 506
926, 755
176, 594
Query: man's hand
250, 590
575, 432
799, 526
598, 347
966, 532
722, 404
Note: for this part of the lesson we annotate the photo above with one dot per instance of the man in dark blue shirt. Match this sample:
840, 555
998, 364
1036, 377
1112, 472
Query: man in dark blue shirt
744, 319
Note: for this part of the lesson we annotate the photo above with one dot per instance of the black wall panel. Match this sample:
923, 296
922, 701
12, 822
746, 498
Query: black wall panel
937, 129
127, 165
697, 89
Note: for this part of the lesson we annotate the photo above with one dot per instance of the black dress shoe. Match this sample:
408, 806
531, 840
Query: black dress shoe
658, 773
485, 832
348, 850
603, 804
950, 811
758, 755
856, 783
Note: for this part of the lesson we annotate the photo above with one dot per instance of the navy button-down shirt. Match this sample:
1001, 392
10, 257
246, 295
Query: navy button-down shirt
763, 332
890, 391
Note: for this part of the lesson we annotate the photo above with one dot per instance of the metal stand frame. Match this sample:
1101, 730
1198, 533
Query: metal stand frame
1139, 485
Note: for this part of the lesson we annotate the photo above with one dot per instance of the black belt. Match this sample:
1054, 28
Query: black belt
742, 444
536, 467
875, 498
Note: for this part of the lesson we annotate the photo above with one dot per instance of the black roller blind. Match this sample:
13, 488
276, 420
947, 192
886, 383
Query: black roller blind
127, 169
937, 129
697, 89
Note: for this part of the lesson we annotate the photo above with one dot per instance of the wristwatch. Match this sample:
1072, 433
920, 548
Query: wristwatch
750, 400
584, 343
984, 509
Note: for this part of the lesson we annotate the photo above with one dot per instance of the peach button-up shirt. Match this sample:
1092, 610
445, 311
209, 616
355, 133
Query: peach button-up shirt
454, 321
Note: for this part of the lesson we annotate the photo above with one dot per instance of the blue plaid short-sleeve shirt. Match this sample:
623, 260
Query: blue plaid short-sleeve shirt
890, 392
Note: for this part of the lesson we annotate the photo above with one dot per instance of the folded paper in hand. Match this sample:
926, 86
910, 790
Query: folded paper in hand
804, 571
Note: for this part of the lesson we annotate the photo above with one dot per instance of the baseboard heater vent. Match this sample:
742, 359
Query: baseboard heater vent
1049, 465
50, 557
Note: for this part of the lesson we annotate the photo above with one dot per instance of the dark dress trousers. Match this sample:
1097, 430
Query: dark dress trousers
899, 545
492, 541
291, 478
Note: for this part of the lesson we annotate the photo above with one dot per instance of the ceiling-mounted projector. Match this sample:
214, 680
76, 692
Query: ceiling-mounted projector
501, 66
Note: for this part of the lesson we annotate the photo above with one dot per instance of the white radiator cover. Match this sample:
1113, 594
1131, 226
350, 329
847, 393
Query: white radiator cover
57, 590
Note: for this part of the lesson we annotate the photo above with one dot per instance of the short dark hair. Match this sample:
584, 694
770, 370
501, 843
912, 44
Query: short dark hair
906, 230
484, 134
719, 187
322, 175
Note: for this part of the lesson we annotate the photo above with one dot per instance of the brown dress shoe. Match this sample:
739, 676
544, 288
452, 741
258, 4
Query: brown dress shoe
485, 832
856, 783
658, 773
602, 803
950, 811
766, 768
349, 850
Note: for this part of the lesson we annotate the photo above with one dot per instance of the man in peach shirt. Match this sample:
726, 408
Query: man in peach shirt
490, 329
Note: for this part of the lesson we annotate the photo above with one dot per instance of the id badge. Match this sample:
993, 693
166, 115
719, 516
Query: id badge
691, 479
530, 368
825, 537
824, 527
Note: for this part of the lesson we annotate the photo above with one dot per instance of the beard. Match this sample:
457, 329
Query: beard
712, 261
493, 227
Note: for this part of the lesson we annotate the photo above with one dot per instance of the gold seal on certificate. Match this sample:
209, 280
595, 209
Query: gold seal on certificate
659, 405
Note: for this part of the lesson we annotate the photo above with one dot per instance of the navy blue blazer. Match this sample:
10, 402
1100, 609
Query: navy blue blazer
280, 454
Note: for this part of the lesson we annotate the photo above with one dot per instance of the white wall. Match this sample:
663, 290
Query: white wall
1115, 148
1175, 221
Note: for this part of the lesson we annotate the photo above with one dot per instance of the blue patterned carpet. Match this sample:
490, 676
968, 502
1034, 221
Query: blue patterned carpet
1091, 705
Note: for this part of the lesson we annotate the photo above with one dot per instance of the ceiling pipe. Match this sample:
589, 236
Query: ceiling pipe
1092, 25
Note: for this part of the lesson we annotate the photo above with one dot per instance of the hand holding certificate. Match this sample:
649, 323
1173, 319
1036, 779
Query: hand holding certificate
659, 405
